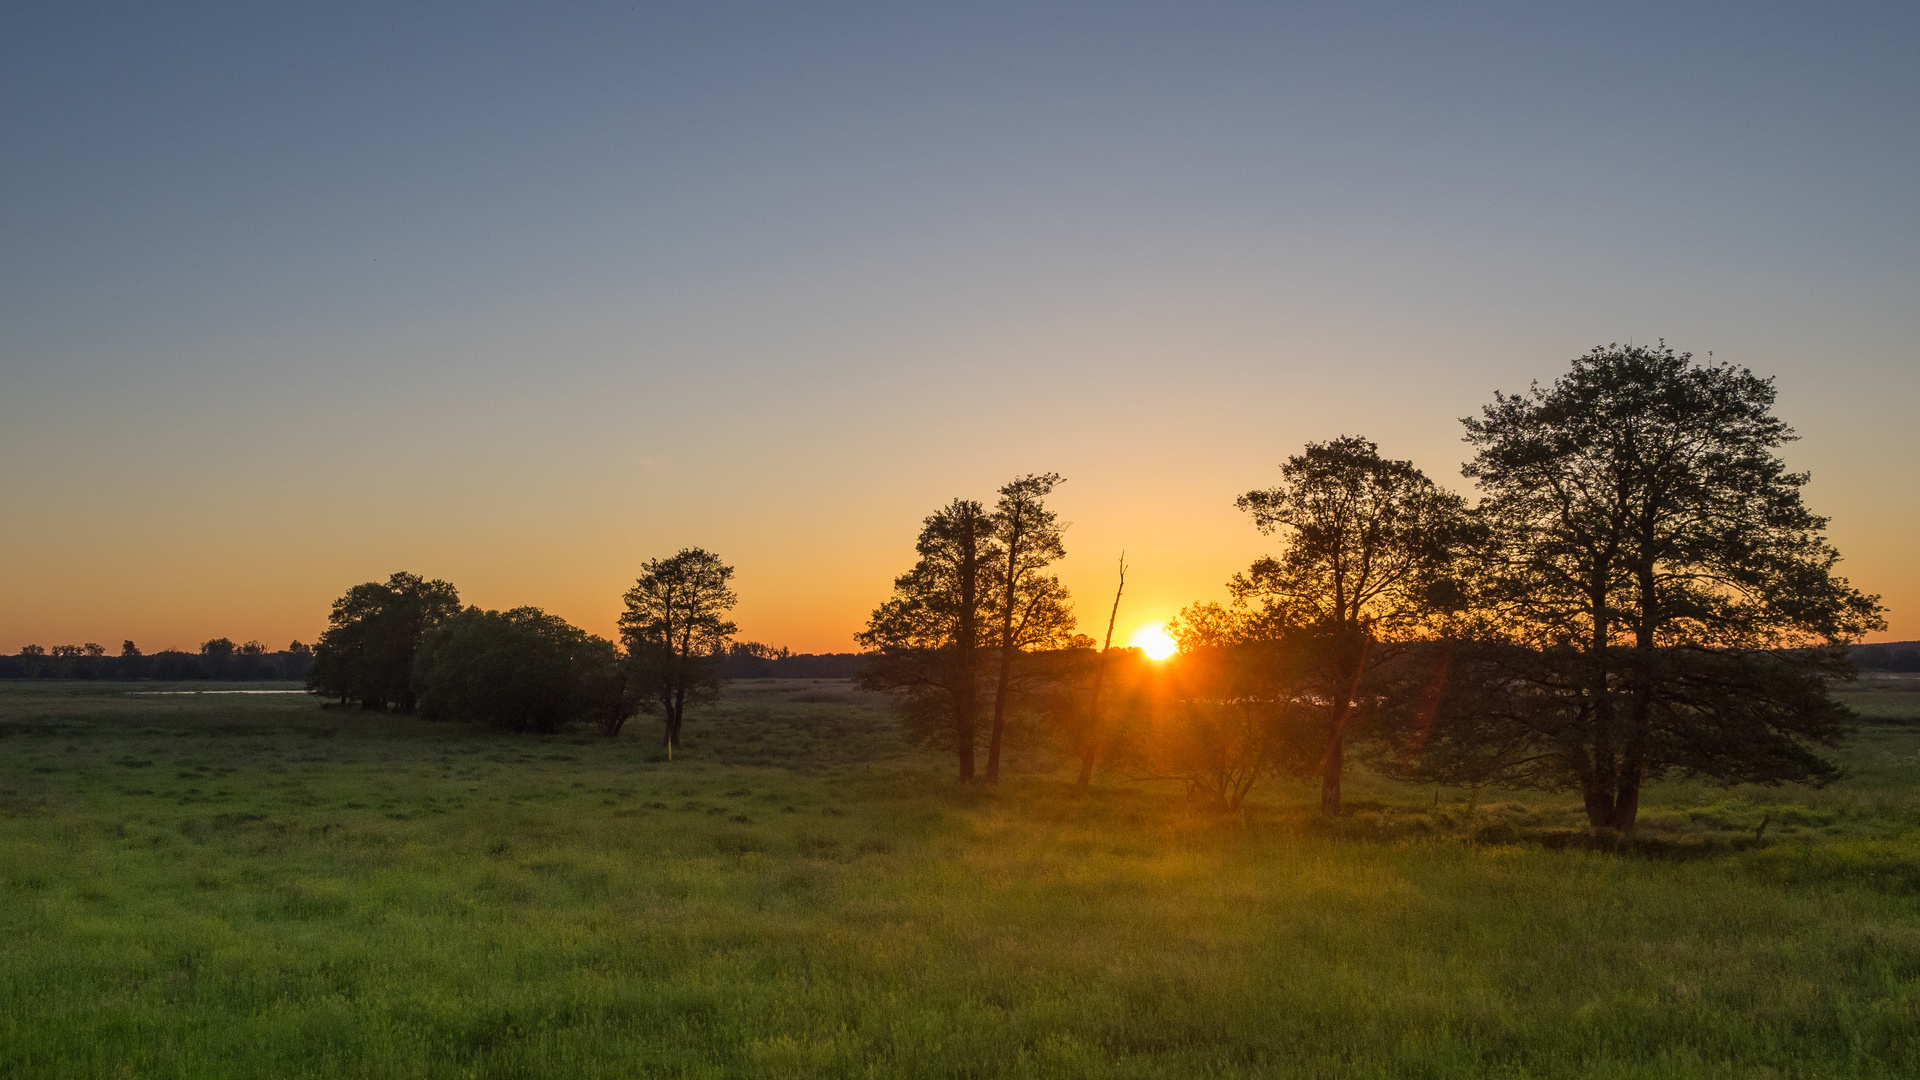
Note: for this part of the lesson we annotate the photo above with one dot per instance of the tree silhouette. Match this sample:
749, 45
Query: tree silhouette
1029, 609
1671, 599
924, 642
1368, 543
676, 632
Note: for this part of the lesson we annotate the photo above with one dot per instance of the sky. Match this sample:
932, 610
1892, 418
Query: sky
520, 296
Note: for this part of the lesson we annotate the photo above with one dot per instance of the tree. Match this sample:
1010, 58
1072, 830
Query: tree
217, 656
296, 661
1665, 599
520, 670
924, 642
372, 636
1368, 546
1029, 609
676, 632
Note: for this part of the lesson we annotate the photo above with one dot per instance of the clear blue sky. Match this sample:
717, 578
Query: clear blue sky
522, 295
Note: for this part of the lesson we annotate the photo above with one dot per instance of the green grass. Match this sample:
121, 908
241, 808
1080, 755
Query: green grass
219, 885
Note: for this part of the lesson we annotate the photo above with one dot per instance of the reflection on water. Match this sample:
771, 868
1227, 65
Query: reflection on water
166, 693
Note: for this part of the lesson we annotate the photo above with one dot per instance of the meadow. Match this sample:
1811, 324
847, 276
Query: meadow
252, 885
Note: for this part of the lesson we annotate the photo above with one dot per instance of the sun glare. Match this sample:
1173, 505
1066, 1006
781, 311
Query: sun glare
1153, 640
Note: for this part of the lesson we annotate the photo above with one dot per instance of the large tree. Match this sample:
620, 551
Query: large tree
924, 643
676, 631
367, 651
1666, 599
1029, 608
1367, 548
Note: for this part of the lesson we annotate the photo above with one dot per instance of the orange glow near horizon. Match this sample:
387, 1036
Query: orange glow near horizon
1152, 639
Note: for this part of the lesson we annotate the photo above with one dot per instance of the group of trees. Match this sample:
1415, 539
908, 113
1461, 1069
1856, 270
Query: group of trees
956, 641
219, 658
1640, 590
408, 645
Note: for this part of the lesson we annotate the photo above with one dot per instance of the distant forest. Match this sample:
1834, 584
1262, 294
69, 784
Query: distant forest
217, 659
1887, 656
221, 659
752, 660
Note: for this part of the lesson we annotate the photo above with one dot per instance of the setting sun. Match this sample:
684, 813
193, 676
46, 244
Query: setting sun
1152, 639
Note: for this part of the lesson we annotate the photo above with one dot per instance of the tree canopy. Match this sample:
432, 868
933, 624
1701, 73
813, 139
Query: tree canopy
1367, 542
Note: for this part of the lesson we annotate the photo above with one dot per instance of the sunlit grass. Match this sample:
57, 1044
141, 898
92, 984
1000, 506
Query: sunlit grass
258, 887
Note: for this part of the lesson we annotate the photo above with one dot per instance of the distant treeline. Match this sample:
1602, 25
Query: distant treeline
222, 659
217, 659
752, 660
1887, 656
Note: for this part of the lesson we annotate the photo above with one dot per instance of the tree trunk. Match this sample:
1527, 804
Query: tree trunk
1633, 759
1600, 788
1330, 774
676, 709
1090, 749
1616, 807
1626, 806
964, 705
998, 732
999, 719
966, 702
963, 733
1599, 804
1012, 585
1334, 761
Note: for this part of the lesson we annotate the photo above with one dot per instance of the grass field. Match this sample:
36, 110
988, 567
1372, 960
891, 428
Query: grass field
211, 885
